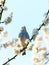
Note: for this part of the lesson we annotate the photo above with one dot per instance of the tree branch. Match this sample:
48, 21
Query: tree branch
2, 10
9, 60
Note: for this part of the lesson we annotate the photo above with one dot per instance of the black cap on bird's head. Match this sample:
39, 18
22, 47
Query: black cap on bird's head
23, 28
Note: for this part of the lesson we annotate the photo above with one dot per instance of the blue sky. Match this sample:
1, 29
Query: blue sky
25, 12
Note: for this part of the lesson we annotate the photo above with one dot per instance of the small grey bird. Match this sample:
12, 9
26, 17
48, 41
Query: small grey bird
23, 35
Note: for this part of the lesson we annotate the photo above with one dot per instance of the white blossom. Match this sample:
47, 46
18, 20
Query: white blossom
46, 20
44, 30
4, 34
38, 41
8, 19
16, 52
4, 8
30, 46
35, 33
40, 63
47, 40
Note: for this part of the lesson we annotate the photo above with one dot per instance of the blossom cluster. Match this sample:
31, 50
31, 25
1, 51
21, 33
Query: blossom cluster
40, 52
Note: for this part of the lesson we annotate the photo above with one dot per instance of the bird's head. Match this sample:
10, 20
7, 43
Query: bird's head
23, 28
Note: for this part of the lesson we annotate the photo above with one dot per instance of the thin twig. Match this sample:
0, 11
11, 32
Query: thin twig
9, 60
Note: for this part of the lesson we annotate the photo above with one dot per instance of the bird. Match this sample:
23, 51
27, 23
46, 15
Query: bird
23, 38
23, 35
